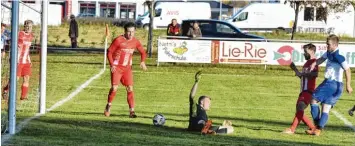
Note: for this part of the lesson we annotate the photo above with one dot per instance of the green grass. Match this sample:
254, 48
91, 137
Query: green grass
93, 36
260, 103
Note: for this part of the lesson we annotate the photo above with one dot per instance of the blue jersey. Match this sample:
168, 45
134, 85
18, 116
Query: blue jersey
335, 66
4, 38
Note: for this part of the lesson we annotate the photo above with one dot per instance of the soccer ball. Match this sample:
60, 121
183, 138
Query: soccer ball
158, 120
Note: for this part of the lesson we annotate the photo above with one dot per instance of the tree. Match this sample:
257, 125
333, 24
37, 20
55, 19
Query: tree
331, 6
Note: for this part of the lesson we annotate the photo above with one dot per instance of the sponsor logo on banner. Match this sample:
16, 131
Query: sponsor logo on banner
215, 52
242, 52
194, 51
285, 54
234, 52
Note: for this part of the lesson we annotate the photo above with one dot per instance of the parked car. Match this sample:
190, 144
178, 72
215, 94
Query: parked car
264, 17
217, 29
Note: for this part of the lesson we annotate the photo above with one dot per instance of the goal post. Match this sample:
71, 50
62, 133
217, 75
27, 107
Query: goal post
43, 58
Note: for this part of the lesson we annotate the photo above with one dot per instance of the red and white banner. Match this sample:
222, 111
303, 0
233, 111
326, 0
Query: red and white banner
270, 53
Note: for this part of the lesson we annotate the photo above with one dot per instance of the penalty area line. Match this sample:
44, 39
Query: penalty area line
5, 138
346, 121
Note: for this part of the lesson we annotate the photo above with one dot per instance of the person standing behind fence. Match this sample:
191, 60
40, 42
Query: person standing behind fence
173, 28
5, 37
194, 31
73, 32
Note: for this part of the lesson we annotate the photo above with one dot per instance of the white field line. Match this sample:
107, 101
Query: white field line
346, 121
19, 127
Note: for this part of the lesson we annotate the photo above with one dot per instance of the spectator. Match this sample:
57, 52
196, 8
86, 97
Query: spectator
194, 31
4, 39
173, 28
73, 32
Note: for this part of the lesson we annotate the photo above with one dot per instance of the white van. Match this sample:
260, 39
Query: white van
166, 11
264, 17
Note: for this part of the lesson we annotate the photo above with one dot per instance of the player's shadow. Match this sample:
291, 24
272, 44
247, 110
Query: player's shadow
257, 124
64, 131
115, 115
253, 124
353, 100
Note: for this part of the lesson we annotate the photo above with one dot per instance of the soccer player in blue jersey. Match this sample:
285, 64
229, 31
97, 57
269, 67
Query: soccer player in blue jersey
330, 90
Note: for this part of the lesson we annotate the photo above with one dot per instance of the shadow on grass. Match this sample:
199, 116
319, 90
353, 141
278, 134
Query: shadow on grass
61, 131
253, 124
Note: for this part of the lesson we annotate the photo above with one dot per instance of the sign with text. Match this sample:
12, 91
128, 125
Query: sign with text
238, 52
242, 52
189, 51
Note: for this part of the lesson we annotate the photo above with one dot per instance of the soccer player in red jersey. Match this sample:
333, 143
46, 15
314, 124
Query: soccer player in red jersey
308, 85
120, 57
25, 38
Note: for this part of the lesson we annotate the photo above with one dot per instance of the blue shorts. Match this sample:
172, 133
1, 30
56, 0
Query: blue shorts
328, 92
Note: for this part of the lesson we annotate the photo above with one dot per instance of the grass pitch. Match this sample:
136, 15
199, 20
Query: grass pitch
260, 103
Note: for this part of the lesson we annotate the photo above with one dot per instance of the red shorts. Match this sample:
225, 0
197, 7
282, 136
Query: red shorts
123, 75
305, 97
23, 70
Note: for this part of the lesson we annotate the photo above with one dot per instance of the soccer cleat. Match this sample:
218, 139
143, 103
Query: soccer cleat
315, 132
23, 98
132, 114
107, 110
288, 131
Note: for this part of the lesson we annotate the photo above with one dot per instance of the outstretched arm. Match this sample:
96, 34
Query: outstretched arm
193, 93
194, 88
348, 80
294, 68
319, 61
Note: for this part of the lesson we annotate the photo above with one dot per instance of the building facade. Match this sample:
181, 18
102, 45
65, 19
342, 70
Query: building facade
120, 9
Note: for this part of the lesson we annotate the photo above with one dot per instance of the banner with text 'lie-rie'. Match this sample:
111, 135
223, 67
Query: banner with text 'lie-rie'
238, 52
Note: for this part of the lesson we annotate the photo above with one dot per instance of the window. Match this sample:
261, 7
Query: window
29, 1
205, 26
315, 14
87, 9
107, 10
224, 28
309, 14
158, 12
128, 11
243, 16
321, 14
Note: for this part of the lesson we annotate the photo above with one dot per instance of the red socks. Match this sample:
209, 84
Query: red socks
130, 99
24, 91
301, 117
111, 96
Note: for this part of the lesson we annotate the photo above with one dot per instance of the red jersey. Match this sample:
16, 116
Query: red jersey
24, 44
308, 83
121, 51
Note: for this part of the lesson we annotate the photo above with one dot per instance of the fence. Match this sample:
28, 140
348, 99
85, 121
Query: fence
242, 51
